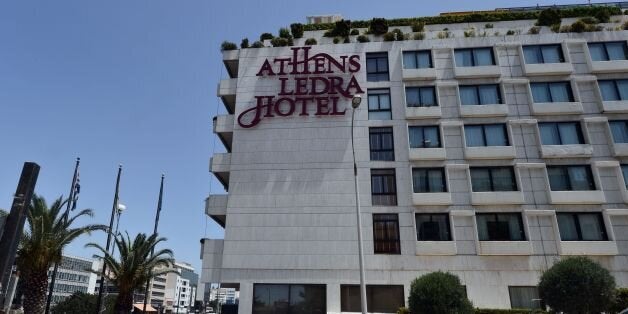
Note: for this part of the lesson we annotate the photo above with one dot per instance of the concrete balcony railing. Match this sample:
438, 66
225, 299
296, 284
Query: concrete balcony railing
497, 198
494, 110
211, 254
436, 248
614, 66
490, 152
619, 149
438, 153
220, 166
566, 151
577, 197
620, 106
423, 112
419, 74
557, 108
504, 248
478, 71
216, 208
227, 92
588, 248
420, 199
548, 69
231, 60
223, 127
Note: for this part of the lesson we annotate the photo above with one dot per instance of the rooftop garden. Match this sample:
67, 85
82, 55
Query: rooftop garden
341, 31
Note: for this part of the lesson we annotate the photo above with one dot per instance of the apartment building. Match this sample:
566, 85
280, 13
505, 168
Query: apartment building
180, 288
490, 156
75, 274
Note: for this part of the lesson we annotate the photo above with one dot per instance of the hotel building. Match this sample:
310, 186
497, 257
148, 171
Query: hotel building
485, 149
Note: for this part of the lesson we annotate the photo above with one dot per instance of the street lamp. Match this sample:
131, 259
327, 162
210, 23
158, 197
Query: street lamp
355, 103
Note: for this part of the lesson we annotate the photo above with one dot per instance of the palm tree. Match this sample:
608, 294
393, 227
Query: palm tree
49, 231
136, 266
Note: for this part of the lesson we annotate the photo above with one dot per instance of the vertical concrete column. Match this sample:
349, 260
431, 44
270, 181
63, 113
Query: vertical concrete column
246, 294
333, 298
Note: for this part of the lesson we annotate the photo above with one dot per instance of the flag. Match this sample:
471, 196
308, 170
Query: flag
76, 190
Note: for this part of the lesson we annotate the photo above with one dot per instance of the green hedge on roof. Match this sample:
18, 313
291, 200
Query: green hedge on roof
474, 17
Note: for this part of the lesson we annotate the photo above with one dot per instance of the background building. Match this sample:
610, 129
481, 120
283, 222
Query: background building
75, 274
487, 149
180, 288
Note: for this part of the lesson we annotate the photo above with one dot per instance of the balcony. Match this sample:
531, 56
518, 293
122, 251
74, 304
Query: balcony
227, 92
577, 197
490, 152
505, 248
619, 149
419, 74
427, 153
588, 248
423, 112
223, 127
216, 208
497, 198
211, 254
436, 248
615, 66
566, 151
422, 199
220, 166
557, 108
494, 110
231, 60
548, 69
478, 71
620, 106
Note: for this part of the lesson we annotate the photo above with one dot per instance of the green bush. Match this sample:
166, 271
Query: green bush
555, 28
399, 35
488, 25
589, 20
549, 17
297, 30
342, 28
363, 39
284, 33
280, 42
378, 26
578, 26
403, 310
443, 35
227, 45
310, 42
354, 32
510, 32
336, 40
534, 30
418, 26
265, 36
390, 36
603, 15
577, 285
245, 43
621, 300
508, 311
257, 44
419, 36
328, 33
347, 40
469, 33
438, 293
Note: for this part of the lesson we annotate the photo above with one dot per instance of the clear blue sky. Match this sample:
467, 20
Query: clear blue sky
134, 82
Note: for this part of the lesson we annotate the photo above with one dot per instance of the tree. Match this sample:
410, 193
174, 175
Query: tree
549, 17
621, 300
577, 285
135, 266
80, 303
49, 231
438, 293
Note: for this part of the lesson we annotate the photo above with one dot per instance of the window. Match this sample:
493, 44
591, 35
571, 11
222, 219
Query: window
381, 143
386, 234
289, 299
581, 227
432, 227
525, 298
619, 129
429, 180
614, 90
561, 133
500, 227
417, 59
570, 178
486, 135
379, 299
624, 172
421, 96
424, 136
493, 179
383, 187
551, 92
608, 51
377, 66
379, 104
488, 94
474, 57
543, 54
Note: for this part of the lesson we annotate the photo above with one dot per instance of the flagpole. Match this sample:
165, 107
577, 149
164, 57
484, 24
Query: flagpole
104, 265
161, 193
68, 206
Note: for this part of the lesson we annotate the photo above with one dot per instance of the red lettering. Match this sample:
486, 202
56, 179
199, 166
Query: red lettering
336, 85
266, 67
319, 65
334, 107
290, 104
284, 88
353, 83
314, 85
304, 102
300, 86
354, 63
322, 103
282, 63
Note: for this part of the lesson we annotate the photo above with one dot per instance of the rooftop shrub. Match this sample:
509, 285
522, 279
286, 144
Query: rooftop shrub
354, 32
419, 36
311, 42
280, 42
549, 17
418, 26
342, 28
245, 43
378, 26
227, 45
347, 40
257, 44
336, 40
390, 36
363, 39
399, 35
284, 33
603, 15
488, 25
297, 30
534, 30
265, 36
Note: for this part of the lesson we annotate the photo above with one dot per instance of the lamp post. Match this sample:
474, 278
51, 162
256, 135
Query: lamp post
355, 103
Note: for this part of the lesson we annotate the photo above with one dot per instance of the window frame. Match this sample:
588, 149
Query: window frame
604, 44
539, 53
547, 86
492, 180
378, 57
442, 172
392, 174
289, 287
346, 305
381, 132
541, 304
378, 92
476, 88
565, 169
615, 86
624, 173
393, 242
484, 139
422, 128
555, 126
613, 136
473, 51
421, 103
416, 54
576, 219
497, 215
431, 219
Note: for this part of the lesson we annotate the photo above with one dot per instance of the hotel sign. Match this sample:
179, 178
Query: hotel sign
309, 84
